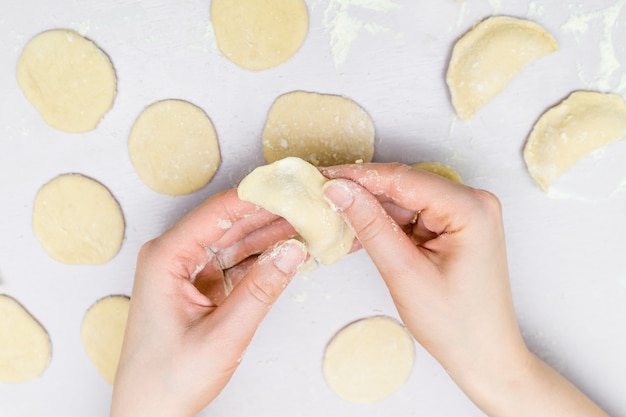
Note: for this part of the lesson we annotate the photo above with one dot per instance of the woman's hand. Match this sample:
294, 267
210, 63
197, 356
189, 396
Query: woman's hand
186, 330
440, 248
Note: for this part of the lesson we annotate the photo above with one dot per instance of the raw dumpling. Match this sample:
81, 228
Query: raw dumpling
567, 132
293, 189
489, 56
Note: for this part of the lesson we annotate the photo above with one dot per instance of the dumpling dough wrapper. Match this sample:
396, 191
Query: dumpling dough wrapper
292, 188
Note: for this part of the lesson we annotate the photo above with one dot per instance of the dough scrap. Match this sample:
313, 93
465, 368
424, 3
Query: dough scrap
440, 169
25, 347
68, 79
322, 129
489, 56
259, 34
369, 359
582, 123
102, 333
174, 148
78, 221
292, 188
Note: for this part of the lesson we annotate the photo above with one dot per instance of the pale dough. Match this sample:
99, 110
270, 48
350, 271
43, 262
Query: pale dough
173, 147
68, 79
322, 129
259, 34
440, 169
292, 188
369, 359
489, 56
78, 221
25, 347
102, 333
564, 134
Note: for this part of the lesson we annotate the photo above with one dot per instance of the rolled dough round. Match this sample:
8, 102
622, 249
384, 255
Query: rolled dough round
68, 79
102, 333
78, 221
322, 129
259, 34
369, 359
440, 169
25, 347
173, 147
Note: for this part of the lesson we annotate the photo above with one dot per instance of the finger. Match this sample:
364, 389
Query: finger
254, 243
379, 234
233, 276
241, 313
221, 218
441, 202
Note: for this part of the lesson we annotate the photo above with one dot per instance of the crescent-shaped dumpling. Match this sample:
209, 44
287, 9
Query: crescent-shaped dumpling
489, 56
582, 123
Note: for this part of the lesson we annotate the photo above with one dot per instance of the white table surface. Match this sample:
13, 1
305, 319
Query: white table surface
567, 251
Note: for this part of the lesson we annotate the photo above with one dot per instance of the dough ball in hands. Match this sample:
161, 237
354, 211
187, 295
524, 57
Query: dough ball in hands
369, 359
292, 188
102, 333
489, 56
25, 347
78, 221
581, 124
259, 34
68, 79
173, 147
322, 129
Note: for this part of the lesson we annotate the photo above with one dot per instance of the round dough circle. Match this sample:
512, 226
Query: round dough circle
25, 347
174, 148
322, 129
259, 34
68, 79
440, 169
102, 333
78, 221
369, 359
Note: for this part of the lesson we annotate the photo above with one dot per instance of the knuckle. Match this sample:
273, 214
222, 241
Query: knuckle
260, 291
487, 202
370, 228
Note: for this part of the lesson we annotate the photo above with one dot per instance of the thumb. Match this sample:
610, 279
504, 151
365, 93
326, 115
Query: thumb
385, 242
244, 309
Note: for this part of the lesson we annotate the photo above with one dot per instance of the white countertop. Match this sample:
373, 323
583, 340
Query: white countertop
567, 252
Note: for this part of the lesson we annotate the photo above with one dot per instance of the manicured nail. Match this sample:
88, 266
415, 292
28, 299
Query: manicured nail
338, 194
289, 255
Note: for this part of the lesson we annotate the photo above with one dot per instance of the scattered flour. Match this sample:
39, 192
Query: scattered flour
578, 24
344, 26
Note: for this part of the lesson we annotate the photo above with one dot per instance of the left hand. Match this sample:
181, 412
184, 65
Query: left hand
186, 334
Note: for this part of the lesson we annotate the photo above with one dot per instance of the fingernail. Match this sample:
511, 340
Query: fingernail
338, 194
289, 255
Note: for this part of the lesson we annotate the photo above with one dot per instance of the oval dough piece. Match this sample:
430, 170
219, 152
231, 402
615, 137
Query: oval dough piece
102, 333
369, 359
322, 129
25, 347
440, 169
567, 132
78, 221
489, 56
292, 188
68, 79
259, 34
173, 147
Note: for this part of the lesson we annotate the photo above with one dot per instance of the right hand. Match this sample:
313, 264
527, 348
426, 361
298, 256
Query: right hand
440, 248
